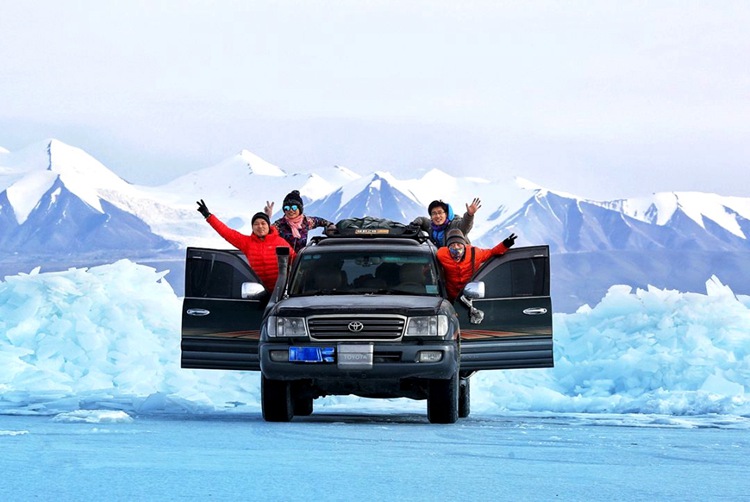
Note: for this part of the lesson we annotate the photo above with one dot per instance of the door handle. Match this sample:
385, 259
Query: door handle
535, 311
198, 312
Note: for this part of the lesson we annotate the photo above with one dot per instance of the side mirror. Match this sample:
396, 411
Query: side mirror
474, 290
252, 290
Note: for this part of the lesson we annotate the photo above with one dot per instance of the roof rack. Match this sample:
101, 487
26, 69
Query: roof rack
371, 228
367, 242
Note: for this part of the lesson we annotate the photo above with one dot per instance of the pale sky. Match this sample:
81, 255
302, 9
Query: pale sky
602, 99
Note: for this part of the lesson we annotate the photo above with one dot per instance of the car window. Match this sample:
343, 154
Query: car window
525, 277
215, 278
364, 272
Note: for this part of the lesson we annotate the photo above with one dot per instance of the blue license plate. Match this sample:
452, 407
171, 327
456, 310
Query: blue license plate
311, 354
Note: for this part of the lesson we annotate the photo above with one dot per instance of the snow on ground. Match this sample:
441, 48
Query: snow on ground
101, 343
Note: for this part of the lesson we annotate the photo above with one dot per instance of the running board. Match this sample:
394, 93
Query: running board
507, 354
219, 354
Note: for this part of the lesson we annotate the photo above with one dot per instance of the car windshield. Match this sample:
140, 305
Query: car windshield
364, 272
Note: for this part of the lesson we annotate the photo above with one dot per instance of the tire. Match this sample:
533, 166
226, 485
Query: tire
276, 400
442, 401
464, 397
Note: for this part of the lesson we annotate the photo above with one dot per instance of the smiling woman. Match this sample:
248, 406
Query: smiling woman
294, 226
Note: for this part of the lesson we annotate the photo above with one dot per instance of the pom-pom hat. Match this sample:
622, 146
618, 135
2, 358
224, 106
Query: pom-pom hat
293, 198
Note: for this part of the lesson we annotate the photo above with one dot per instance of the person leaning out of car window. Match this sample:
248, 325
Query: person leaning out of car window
259, 247
442, 220
460, 260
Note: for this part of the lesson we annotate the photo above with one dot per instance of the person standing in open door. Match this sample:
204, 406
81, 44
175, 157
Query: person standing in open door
460, 260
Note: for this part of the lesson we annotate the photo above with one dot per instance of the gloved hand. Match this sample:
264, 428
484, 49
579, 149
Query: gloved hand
413, 228
510, 240
203, 209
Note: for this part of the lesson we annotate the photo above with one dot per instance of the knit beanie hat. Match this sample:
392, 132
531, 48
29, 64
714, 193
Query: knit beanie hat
436, 203
262, 216
455, 235
293, 197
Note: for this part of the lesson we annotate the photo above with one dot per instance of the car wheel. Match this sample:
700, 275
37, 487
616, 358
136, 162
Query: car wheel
442, 401
276, 400
464, 398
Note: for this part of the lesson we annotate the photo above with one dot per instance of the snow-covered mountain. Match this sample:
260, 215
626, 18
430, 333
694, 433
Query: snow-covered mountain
57, 202
668, 240
375, 195
679, 221
51, 202
240, 186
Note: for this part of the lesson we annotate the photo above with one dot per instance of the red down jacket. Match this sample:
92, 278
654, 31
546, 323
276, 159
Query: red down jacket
261, 253
458, 273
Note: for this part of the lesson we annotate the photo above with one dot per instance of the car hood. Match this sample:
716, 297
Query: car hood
406, 305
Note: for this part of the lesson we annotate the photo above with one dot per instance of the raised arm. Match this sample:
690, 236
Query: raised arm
467, 222
230, 235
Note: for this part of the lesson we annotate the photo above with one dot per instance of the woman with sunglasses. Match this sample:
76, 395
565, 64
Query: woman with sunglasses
294, 226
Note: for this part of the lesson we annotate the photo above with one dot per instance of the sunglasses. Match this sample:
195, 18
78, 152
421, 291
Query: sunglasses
293, 207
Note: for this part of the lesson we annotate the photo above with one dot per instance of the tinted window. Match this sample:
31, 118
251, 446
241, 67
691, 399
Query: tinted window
525, 277
212, 277
365, 272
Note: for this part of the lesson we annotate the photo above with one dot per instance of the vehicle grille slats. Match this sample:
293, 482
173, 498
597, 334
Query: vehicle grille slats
356, 327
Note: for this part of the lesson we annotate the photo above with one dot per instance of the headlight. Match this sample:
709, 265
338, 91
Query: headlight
434, 325
287, 326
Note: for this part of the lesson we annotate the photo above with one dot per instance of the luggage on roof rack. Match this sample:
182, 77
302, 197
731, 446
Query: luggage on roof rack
369, 222
370, 226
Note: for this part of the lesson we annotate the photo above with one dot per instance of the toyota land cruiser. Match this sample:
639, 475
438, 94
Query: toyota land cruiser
363, 312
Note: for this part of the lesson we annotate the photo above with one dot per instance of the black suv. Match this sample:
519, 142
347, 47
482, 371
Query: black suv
364, 313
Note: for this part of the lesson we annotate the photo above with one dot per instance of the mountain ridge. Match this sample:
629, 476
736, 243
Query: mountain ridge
59, 200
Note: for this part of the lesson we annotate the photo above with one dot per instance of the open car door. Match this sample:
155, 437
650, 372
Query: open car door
220, 329
512, 325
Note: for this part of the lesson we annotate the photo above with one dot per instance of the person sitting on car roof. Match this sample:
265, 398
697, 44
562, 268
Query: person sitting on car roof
442, 220
294, 225
259, 247
460, 260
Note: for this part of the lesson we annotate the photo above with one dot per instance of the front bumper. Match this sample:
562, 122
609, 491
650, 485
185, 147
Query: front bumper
390, 361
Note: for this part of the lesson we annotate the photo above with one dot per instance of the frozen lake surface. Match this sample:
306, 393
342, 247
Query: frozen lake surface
384, 456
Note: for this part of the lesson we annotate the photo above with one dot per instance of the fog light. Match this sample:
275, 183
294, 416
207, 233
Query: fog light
430, 356
279, 356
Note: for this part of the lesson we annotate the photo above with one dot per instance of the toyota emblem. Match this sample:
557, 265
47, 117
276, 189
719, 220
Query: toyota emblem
356, 326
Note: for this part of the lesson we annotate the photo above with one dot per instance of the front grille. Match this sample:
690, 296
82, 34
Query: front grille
337, 327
